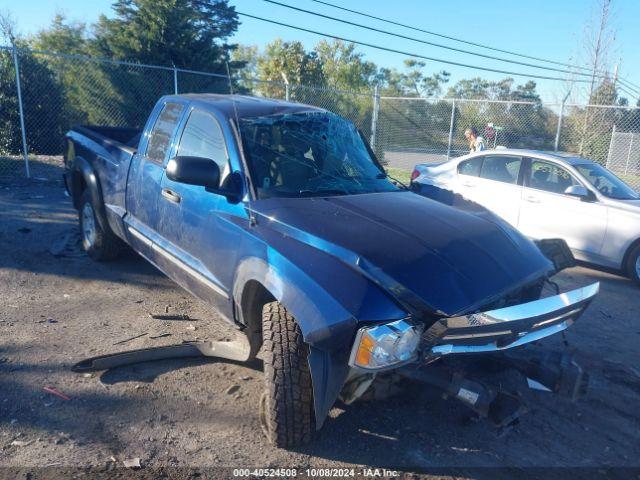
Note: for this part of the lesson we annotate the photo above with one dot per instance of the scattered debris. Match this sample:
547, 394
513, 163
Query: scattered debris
245, 378
605, 314
232, 389
131, 462
87, 375
192, 327
160, 335
56, 392
181, 316
131, 338
48, 320
66, 295
21, 443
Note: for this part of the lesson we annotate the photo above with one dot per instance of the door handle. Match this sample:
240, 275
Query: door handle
171, 195
532, 199
468, 184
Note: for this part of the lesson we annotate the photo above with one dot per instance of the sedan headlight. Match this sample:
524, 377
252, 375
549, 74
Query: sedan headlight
386, 345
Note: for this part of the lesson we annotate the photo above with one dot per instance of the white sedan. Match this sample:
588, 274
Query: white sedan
548, 195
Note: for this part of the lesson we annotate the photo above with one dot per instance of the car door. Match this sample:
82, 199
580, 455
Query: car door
547, 212
498, 188
468, 172
200, 230
145, 176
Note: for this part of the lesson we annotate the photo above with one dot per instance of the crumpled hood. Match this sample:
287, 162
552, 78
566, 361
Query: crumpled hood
426, 255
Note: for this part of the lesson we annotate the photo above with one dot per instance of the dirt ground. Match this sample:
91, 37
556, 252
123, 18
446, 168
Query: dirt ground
56, 310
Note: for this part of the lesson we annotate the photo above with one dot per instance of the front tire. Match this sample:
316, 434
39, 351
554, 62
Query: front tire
633, 264
286, 407
100, 243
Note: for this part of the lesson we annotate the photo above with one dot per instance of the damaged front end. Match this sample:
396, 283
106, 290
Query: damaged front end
460, 355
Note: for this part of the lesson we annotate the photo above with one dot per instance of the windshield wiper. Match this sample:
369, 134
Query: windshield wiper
328, 191
382, 176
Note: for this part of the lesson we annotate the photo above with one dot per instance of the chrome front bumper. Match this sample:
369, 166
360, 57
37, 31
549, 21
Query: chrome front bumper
508, 327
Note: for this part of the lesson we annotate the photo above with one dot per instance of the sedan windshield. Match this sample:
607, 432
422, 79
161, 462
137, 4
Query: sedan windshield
606, 182
309, 154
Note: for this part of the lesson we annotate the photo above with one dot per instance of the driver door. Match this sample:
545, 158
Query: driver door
198, 233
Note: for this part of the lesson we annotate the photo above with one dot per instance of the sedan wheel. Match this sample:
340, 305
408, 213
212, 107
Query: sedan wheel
633, 264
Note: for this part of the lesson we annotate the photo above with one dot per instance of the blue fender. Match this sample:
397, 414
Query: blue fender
326, 325
93, 185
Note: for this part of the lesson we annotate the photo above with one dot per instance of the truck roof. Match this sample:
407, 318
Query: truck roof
245, 105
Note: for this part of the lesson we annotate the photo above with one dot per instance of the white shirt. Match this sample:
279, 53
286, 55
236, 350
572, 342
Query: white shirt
477, 145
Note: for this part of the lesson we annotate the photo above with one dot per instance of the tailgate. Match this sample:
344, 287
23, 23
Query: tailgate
508, 327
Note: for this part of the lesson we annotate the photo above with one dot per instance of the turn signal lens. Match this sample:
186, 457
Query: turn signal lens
415, 174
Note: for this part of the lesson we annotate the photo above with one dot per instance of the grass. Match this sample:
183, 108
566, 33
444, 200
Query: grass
399, 174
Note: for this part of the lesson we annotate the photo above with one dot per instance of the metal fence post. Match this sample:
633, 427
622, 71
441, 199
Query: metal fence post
25, 152
175, 80
613, 134
560, 117
374, 116
453, 116
626, 165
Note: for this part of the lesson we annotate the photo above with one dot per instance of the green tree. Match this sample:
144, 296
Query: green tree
290, 62
185, 33
63, 37
42, 102
344, 68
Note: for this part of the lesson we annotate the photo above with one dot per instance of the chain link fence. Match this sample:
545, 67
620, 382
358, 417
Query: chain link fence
53, 92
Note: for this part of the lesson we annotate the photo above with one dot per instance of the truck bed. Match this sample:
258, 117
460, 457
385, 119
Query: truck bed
109, 151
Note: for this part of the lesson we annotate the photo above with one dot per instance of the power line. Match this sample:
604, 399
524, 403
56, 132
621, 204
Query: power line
631, 94
409, 54
566, 65
629, 85
431, 43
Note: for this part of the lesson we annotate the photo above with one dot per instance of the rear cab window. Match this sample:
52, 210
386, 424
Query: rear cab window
549, 177
501, 168
162, 132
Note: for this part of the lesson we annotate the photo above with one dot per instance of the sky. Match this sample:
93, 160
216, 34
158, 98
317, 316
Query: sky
550, 29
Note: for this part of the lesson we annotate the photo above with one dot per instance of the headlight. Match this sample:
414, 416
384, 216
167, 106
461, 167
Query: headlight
386, 345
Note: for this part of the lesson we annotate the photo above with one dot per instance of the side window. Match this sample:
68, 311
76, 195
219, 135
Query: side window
501, 168
203, 137
550, 177
470, 167
162, 131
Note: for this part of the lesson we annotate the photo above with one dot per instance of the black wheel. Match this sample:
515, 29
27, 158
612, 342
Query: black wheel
99, 243
286, 407
633, 264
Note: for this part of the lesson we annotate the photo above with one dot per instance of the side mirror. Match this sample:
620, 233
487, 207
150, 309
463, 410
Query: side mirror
194, 171
578, 191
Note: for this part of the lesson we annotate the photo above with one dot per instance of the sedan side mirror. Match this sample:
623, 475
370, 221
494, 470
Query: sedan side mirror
194, 171
579, 191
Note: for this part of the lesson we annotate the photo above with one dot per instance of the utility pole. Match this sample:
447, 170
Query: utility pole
287, 93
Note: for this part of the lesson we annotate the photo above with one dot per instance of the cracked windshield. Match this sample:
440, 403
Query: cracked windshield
309, 154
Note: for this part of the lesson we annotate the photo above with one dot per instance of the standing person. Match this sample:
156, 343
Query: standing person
476, 143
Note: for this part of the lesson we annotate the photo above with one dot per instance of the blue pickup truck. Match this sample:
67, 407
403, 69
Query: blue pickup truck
280, 216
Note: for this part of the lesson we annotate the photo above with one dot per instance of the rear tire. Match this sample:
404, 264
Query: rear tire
286, 407
100, 243
633, 264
